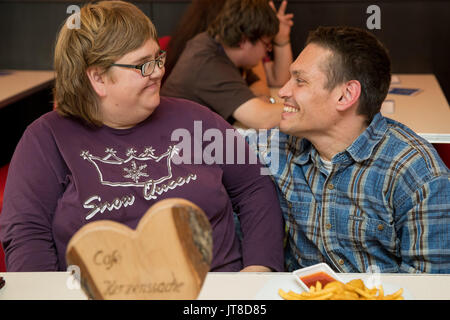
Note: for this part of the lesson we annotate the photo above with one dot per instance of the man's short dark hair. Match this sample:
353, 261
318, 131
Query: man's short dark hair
356, 55
244, 19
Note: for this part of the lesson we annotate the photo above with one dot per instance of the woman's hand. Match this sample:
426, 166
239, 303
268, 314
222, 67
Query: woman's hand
256, 269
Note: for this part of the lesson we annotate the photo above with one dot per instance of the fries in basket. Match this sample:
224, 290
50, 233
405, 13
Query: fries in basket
336, 290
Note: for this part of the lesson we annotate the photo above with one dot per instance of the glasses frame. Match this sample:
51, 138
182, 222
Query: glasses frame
160, 61
267, 45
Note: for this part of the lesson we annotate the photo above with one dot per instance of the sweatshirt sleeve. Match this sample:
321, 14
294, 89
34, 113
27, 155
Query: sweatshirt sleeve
32, 190
255, 201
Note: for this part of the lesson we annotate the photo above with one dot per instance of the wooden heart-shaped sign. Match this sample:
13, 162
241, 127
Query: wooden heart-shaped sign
166, 257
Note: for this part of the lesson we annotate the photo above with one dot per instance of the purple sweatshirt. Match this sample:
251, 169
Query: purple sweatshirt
64, 175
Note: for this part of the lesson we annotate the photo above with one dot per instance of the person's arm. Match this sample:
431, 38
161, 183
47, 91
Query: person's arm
32, 189
424, 228
277, 71
259, 114
224, 90
260, 87
256, 269
255, 201
268, 116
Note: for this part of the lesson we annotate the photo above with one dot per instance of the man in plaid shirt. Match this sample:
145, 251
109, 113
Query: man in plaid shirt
358, 191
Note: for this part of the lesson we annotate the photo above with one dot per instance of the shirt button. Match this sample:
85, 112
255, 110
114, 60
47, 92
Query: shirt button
341, 262
380, 227
330, 186
328, 226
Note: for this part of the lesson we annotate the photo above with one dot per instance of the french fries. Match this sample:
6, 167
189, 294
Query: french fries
336, 290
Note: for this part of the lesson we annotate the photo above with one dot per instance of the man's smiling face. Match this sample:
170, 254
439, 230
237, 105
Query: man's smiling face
309, 107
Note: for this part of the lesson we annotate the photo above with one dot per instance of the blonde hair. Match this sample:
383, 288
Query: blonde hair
108, 30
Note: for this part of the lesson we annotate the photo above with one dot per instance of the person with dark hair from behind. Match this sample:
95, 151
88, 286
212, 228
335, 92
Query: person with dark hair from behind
198, 15
359, 191
215, 67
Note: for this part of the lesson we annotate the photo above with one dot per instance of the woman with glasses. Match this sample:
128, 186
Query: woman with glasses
113, 147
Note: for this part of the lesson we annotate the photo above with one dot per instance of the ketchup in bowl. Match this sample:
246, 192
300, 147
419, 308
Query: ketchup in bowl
311, 279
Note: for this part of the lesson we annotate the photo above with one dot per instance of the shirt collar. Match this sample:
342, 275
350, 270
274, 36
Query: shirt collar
301, 149
363, 146
359, 150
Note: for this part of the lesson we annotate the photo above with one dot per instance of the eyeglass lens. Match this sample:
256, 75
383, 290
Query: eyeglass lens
149, 67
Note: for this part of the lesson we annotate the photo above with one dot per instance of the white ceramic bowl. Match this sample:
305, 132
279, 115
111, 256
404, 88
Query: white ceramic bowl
320, 267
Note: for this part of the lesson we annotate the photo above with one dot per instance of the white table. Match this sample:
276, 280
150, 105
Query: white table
218, 286
427, 113
18, 84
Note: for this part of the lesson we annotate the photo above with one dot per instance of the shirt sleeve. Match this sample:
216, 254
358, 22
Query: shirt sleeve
32, 189
256, 203
424, 228
221, 87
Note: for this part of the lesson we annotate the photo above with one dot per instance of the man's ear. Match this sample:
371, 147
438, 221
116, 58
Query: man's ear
349, 95
97, 78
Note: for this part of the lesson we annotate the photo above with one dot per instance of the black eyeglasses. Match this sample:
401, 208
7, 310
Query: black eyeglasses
267, 45
148, 67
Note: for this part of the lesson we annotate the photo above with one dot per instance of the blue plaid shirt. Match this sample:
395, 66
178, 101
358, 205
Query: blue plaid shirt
385, 204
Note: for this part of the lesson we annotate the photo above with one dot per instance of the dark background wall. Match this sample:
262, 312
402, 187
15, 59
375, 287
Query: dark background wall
416, 32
